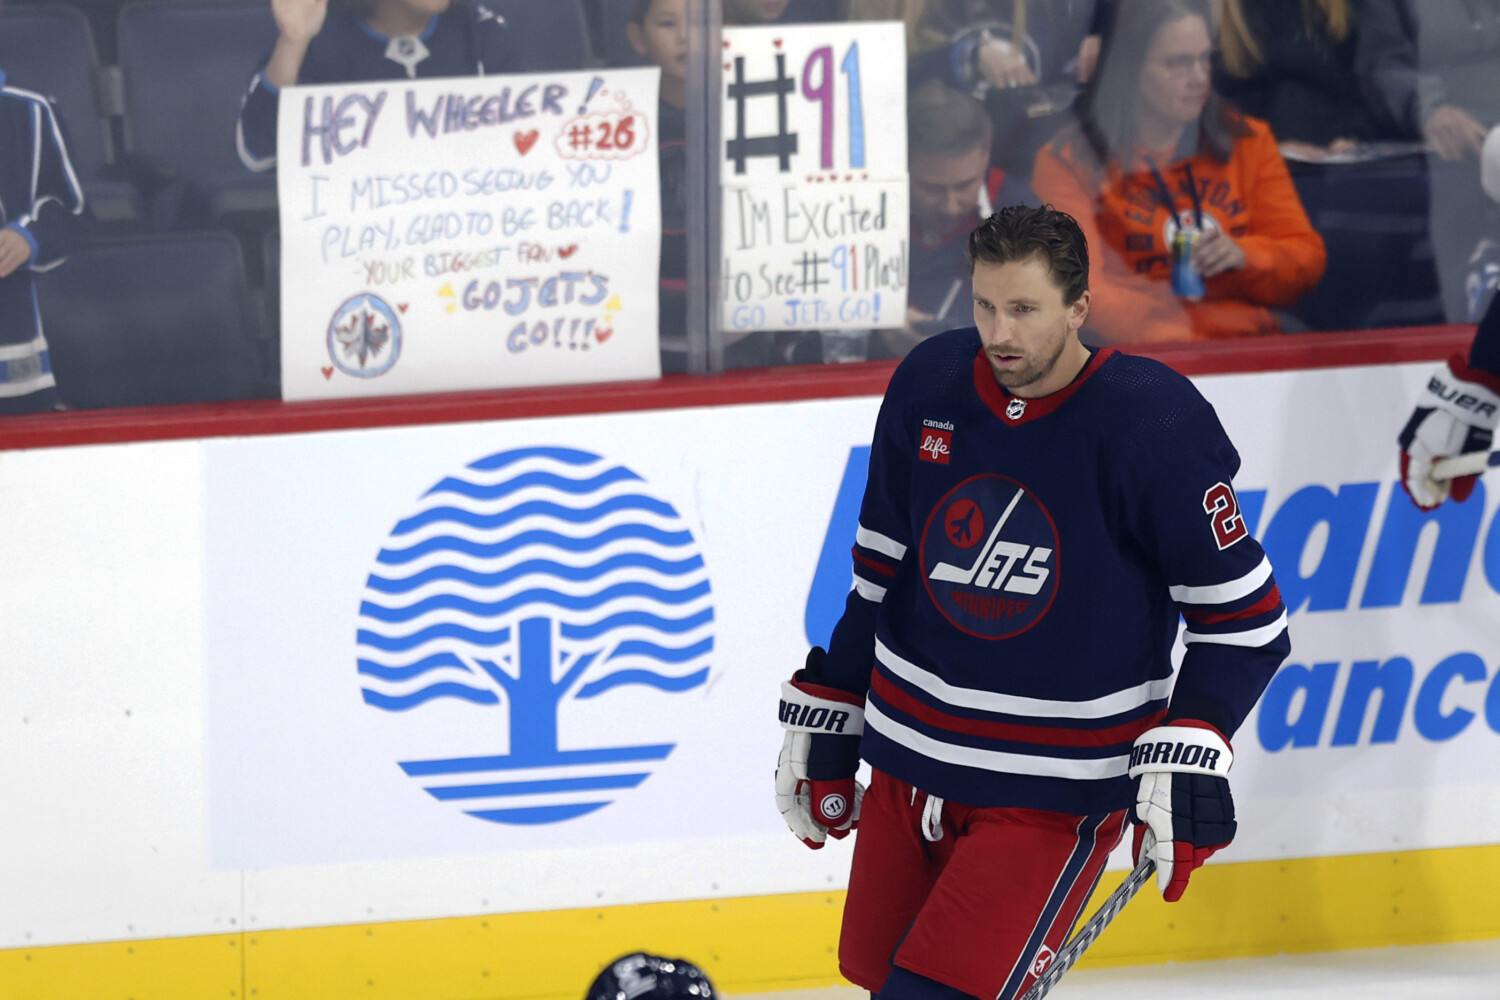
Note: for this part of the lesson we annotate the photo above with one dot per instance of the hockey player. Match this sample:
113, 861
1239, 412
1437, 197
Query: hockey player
42, 212
1456, 413
1037, 516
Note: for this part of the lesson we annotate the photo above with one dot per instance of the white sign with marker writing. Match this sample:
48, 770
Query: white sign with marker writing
814, 181
468, 233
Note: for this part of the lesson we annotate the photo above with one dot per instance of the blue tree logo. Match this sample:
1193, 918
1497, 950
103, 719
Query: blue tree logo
537, 579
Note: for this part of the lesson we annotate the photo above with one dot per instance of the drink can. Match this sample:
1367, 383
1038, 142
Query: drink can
1187, 283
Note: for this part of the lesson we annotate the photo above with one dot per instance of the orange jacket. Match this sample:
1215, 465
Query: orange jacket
1130, 256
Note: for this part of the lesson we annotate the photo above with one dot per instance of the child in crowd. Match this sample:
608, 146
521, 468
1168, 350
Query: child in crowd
42, 211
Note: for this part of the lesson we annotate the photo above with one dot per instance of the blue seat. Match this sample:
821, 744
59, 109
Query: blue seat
185, 67
50, 50
151, 320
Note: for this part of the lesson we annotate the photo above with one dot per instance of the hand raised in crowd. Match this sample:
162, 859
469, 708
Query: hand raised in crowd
1088, 57
1214, 253
299, 20
14, 252
1003, 65
1453, 133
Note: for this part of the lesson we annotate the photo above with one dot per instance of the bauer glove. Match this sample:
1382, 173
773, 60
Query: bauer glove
1455, 414
815, 787
1183, 809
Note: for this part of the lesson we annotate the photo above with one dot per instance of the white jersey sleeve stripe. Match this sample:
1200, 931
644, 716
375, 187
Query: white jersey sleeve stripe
1007, 704
994, 760
868, 590
1250, 637
1223, 593
876, 542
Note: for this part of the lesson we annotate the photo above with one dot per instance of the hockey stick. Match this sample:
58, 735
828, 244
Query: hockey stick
1472, 464
1074, 949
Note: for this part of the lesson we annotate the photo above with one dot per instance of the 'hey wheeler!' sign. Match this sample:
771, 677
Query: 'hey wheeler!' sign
815, 214
468, 233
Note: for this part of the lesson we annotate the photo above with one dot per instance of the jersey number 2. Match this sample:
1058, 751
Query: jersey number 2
1223, 510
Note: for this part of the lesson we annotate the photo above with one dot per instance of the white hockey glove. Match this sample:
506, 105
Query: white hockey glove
1456, 413
1183, 809
815, 788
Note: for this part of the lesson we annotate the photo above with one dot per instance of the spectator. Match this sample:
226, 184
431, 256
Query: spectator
1156, 162
953, 189
38, 185
658, 31
779, 11
342, 41
1291, 62
1017, 56
1434, 67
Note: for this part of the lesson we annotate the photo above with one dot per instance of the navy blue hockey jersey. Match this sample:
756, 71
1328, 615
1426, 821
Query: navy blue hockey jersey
40, 199
1020, 571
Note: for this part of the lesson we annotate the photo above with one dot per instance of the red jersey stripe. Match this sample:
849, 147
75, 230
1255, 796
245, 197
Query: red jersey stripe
1053, 736
1263, 606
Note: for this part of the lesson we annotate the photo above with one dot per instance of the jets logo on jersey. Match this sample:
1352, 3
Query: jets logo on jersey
989, 557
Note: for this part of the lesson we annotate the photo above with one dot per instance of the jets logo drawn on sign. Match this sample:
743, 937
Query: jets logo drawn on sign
989, 557
543, 608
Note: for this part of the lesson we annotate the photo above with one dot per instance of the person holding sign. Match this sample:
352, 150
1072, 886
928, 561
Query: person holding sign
1199, 232
347, 41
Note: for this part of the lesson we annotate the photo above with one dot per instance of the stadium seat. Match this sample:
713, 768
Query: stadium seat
50, 50
560, 30
615, 43
151, 320
185, 67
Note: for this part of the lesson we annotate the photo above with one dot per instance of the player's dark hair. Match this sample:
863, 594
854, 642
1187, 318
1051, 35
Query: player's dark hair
1108, 107
941, 121
639, 10
1020, 232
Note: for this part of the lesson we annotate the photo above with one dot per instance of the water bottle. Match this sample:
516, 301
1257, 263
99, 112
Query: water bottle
1187, 283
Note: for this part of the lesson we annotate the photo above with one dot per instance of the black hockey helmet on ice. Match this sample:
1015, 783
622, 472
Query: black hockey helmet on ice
640, 976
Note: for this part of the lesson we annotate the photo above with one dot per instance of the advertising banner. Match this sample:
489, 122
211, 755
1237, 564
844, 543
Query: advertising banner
814, 192
468, 233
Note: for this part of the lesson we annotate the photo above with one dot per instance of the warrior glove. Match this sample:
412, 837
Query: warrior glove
1183, 809
1456, 413
815, 787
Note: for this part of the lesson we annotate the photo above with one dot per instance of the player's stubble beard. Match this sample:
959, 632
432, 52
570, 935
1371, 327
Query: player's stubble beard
1036, 368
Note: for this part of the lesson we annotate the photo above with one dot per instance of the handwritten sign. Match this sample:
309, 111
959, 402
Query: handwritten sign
468, 233
815, 195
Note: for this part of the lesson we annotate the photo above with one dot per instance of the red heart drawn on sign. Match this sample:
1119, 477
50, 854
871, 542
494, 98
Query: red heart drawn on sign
776, 42
327, 372
604, 335
726, 45
566, 252
729, 65
402, 305
524, 141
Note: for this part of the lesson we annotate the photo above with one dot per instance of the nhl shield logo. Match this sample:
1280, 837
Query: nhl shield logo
1016, 408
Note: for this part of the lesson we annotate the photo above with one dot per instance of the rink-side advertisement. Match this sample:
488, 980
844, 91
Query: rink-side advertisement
468, 233
815, 216
533, 664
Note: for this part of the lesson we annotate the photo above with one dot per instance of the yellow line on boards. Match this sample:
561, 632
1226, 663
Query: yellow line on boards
763, 943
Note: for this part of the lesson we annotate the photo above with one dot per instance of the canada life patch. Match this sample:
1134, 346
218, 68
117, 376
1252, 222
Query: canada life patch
936, 441
989, 557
